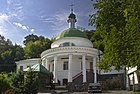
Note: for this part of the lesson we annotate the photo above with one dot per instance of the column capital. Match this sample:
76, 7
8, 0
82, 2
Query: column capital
55, 56
70, 54
84, 54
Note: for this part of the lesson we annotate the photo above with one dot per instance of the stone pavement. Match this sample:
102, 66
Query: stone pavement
104, 92
107, 92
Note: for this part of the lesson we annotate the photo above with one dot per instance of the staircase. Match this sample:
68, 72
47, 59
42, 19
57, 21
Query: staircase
77, 79
90, 76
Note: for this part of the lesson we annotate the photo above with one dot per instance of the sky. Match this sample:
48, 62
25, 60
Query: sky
19, 18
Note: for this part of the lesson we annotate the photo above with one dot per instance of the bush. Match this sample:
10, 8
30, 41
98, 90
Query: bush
4, 83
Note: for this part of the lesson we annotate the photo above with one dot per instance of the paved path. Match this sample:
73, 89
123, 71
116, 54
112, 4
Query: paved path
106, 92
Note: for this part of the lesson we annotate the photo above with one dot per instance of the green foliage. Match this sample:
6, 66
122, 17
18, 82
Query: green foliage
8, 54
35, 47
30, 38
24, 83
95, 39
31, 82
118, 24
113, 83
17, 82
4, 83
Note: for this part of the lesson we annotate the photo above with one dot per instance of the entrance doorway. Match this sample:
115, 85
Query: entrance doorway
65, 81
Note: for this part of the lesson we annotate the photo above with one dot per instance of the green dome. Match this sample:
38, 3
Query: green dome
72, 32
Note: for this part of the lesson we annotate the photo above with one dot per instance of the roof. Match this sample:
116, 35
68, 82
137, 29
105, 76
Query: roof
39, 68
71, 32
28, 60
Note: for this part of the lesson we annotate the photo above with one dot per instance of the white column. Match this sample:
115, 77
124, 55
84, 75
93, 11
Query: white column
51, 65
43, 62
47, 64
94, 68
84, 68
55, 69
69, 68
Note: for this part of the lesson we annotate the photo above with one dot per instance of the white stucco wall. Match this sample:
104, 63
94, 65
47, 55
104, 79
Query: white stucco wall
135, 77
113, 71
27, 62
76, 66
131, 71
78, 41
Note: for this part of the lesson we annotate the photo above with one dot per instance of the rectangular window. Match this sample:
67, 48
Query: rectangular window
66, 44
65, 65
21, 67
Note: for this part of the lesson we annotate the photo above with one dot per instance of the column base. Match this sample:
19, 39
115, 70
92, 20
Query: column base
70, 86
84, 83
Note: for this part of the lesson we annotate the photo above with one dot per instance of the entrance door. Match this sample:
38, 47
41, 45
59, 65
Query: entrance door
65, 81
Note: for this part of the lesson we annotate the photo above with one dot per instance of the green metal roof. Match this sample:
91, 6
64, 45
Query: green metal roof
71, 32
39, 68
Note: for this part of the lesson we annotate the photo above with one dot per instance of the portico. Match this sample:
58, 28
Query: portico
78, 60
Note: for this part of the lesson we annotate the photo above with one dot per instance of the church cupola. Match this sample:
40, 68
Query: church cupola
72, 19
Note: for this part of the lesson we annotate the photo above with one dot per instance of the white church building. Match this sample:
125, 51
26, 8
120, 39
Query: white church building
71, 58
71, 55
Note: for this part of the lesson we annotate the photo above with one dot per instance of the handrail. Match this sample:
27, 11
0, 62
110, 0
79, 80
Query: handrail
77, 75
80, 73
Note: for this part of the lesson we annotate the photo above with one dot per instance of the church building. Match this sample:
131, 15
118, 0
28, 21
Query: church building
72, 56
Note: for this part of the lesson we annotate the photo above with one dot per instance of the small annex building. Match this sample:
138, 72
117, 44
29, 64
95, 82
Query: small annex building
45, 76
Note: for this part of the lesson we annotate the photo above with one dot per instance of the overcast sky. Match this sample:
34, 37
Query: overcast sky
19, 18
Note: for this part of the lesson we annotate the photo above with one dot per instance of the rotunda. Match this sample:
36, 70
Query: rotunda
72, 58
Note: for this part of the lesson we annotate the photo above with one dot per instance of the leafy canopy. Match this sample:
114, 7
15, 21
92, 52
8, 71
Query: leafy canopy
118, 23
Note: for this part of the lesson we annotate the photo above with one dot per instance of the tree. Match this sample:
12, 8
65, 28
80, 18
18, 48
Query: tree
31, 82
90, 35
30, 38
118, 24
34, 48
18, 53
95, 39
4, 83
17, 82
24, 82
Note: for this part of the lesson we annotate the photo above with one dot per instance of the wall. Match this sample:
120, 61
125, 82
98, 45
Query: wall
76, 67
78, 41
28, 62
